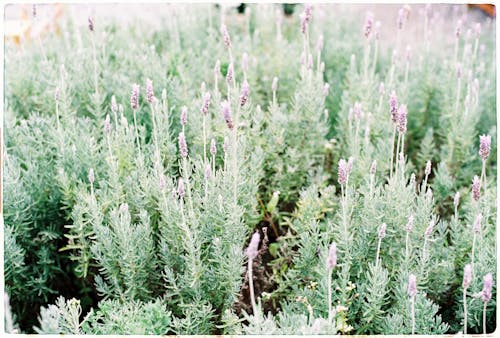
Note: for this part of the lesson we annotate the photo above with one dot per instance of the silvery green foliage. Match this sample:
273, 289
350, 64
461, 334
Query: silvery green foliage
166, 265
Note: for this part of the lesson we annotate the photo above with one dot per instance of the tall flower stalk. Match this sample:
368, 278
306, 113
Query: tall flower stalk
476, 229
412, 291
331, 262
484, 152
134, 104
409, 228
381, 235
252, 252
486, 296
465, 284
94, 53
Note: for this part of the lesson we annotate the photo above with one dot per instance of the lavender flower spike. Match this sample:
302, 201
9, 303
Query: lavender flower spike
373, 168
308, 12
180, 188
184, 115
303, 23
206, 103
134, 97
225, 36
226, 114
208, 172
107, 125
253, 248
91, 23
274, 86
114, 106
91, 176
484, 146
381, 230
331, 261
487, 287
467, 276
476, 188
56, 94
213, 147
393, 104
229, 74
368, 24
343, 172
402, 119
412, 285
182, 145
429, 229
245, 91
456, 199
149, 91
477, 223
428, 167
409, 225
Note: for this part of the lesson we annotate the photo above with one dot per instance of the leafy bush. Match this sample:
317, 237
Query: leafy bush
278, 175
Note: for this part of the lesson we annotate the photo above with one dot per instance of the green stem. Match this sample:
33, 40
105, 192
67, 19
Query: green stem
465, 311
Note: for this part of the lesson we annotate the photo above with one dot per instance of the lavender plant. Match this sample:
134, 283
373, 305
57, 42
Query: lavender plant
253, 173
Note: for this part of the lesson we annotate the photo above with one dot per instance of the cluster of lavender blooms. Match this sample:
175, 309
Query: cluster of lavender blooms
167, 196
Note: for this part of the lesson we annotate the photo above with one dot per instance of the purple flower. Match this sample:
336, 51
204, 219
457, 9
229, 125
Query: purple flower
484, 146
217, 67
412, 285
123, 208
107, 125
381, 89
303, 23
476, 188
134, 97
244, 62
456, 199
184, 115
253, 247
56, 94
381, 230
114, 106
206, 103
477, 223
319, 45
373, 167
180, 188
225, 146
274, 86
213, 147
459, 28
149, 91
402, 113
308, 12
229, 74
225, 36
331, 261
182, 145
350, 162
326, 89
162, 183
245, 91
393, 104
208, 172
467, 276
226, 114
409, 225
401, 18
477, 30
91, 176
428, 167
357, 110
91, 23
487, 287
368, 24
429, 229
343, 172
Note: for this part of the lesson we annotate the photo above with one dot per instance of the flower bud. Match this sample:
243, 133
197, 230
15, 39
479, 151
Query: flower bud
476, 188
456, 199
429, 229
331, 261
428, 167
149, 91
484, 146
226, 114
412, 285
182, 145
477, 223
381, 230
253, 248
213, 147
343, 172
245, 91
206, 103
184, 115
225, 36
91, 23
134, 97
373, 167
467, 276
487, 287
107, 125
91, 176
230, 73
114, 106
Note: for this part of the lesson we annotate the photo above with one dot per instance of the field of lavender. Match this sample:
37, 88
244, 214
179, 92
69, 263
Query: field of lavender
266, 169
